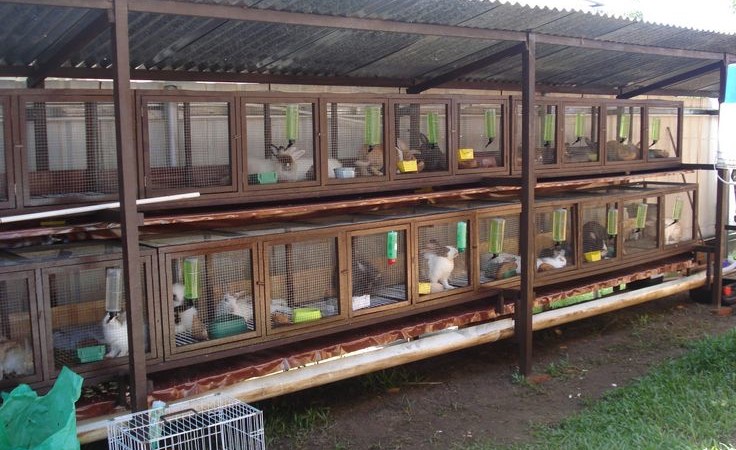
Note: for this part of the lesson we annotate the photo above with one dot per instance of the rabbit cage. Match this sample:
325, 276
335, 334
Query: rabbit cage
212, 422
355, 140
481, 137
280, 141
19, 345
208, 287
83, 315
421, 135
498, 246
188, 143
69, 153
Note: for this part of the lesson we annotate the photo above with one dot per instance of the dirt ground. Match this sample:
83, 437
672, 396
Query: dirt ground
476, 394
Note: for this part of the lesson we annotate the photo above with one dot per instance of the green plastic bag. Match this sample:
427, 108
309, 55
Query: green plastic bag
30, 422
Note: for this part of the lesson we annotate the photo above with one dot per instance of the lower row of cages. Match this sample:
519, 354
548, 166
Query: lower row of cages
262, 283
575, 136
63, 305
598, 229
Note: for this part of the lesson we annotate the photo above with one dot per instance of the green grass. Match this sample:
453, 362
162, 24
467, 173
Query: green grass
688, 403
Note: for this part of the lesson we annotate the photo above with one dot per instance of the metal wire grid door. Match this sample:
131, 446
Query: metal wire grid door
280, 142
499, 247
3, 157
640, 226
355, 139
443, 256
189, 145
70, 150
555, 239
678, 218
599, 232
303, 281
82, 330
213, 422
581, 134
16, 340
212, 296
421, 135
378, 269
481, 131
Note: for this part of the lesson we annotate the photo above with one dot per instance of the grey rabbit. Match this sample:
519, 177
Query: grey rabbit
366, 277
431, 155
594, 237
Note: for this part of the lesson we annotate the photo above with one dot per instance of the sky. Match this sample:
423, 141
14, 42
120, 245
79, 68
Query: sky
711, 15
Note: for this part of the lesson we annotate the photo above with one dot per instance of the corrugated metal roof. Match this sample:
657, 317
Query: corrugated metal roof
165, 42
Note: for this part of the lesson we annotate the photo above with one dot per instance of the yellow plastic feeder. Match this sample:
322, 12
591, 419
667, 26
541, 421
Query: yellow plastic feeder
465, 154
592, 256
425, 288
407, 166
306, 314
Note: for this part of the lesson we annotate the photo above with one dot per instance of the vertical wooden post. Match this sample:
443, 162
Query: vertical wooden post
523, 322
125, 142
721, 211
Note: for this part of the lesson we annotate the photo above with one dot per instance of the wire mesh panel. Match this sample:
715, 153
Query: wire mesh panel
421, 137
355, 140
544, 121
303, 281
17, 358
4, 156
189, 145
600, 227
499, 247
443, 256
280, 144
640, 228
663, 122
213, 422
555, 239
70, 152
623, 133
378, 269
581, 134
87, 311
212, 296
678, 218
481, 135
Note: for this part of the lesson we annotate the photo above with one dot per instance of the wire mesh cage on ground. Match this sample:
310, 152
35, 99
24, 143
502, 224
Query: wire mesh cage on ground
213, 422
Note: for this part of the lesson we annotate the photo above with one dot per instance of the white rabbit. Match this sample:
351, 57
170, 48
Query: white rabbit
440, 264
239, 304
115, 330
672, 231
15, 359
186, 319
291, 167
557, 259
332, 164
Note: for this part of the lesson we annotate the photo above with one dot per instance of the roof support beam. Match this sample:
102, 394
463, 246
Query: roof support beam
469, 68
51, 61
127, 174
672, 80
523, 320
318, 20
599, 44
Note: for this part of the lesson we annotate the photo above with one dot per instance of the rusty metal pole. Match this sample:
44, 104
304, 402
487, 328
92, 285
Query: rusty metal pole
127, 187
523, 322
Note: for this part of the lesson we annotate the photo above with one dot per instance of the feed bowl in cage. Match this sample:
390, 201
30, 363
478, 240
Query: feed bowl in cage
407, 166
228, 325
263, 178
91, 353
210, 422
592, 256
465, 154
425, 288
344, 172
306, 314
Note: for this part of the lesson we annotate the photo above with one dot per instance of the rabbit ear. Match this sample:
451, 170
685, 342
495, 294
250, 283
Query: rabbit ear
424, 138
296, 154
274, 150
401, 145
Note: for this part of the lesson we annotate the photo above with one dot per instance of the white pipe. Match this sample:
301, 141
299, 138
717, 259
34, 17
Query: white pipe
84, 209
172, 133
435, 344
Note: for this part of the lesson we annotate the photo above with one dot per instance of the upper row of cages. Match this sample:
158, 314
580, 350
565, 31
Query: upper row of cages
227, 290
59, 147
